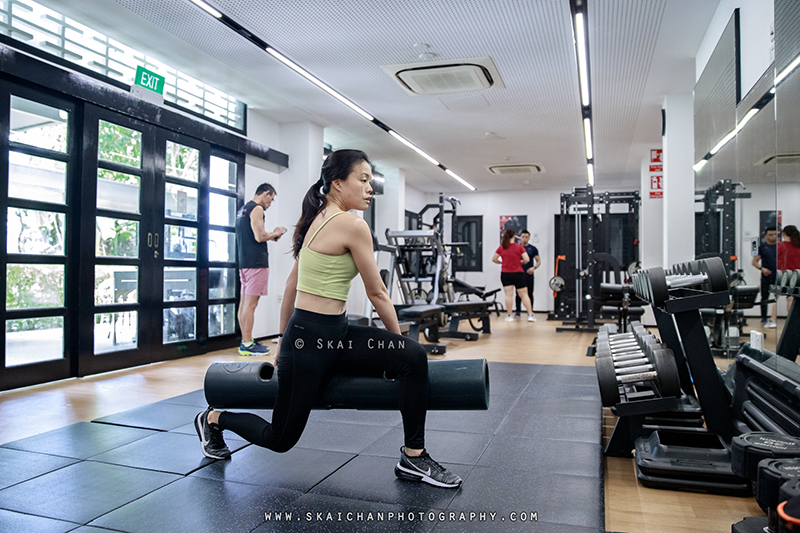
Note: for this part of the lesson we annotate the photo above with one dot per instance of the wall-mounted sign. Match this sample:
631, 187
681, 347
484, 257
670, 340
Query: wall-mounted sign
148, 85
656, 174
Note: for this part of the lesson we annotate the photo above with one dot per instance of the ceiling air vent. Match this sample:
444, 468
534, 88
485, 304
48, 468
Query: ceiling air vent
446, 77
516, 170
781, 159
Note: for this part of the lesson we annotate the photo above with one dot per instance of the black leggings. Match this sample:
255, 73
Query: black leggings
316, 346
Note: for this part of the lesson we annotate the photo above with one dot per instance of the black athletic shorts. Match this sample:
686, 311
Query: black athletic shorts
517, 279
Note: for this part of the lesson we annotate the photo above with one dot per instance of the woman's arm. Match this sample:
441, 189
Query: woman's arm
525, 258
360, 246
496, 259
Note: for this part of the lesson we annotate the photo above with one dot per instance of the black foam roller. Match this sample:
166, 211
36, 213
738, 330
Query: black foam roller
452, 386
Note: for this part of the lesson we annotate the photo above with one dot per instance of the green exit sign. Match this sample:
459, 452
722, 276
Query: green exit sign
149, 80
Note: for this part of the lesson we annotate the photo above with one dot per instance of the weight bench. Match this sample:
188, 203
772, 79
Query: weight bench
465, 288
420, 318
615, 305
458, 311
726, 318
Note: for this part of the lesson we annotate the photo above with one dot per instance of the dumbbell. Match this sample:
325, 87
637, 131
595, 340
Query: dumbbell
626, 344
653, 284
789, 282
634, 328
661, 370
624, 358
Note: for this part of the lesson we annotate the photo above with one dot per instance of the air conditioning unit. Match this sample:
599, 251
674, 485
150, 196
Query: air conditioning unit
516, 170
781, 159
446, 77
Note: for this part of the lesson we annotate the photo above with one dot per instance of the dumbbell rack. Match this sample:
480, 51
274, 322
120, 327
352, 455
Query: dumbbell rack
636, 401
691, 458
680, 325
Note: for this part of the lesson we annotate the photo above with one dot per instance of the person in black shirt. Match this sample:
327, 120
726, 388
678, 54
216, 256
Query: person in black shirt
529, 267
766, 261
252, 259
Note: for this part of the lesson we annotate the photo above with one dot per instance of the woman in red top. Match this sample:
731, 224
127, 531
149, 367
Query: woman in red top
512, 276
789, 253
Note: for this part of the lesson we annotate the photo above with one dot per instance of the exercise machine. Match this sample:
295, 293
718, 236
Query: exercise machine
590, 223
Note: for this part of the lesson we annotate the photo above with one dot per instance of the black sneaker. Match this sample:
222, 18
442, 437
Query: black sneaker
214, 445
425, 469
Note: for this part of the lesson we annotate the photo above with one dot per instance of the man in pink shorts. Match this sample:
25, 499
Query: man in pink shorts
252, 257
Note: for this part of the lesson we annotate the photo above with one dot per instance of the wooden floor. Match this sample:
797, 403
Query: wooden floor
630, 507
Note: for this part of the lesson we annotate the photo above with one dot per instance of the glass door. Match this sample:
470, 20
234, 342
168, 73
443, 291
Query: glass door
39, 201
226, 172
118, 180
196, 265
180, 203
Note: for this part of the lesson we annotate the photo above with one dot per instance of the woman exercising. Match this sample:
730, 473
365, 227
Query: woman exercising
330, 247
511, 255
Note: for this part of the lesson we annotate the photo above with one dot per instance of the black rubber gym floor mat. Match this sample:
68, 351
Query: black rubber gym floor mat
322, 513
188, 428
556, 407
173, 453
340, 436
510, 381
372, 479
473, 421
79, 441
17, 466
536, 450
82, 492
159, 416
374, 418
565, 392
298, 469
92, 529
532, 424
541, 454
555, 498
444, 446
518, 525
11, 521
198, 505
195, 398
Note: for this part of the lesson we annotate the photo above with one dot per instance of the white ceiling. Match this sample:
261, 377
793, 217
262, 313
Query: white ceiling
640, 50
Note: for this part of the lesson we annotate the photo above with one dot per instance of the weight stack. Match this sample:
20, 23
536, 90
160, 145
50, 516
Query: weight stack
452, 386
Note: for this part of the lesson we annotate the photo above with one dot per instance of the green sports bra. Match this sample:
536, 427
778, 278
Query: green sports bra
325, 275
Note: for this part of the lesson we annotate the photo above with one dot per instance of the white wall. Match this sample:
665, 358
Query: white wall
303, 143
651, 221
678, 157
756, 19
416, 199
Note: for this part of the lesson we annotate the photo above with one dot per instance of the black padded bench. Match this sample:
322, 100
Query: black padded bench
462, 287
458, 311
423, 317
611, 298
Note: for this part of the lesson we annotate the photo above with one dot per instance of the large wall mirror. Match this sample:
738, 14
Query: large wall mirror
747, 145
787, 128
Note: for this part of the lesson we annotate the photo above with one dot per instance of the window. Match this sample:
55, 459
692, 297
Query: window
469, 258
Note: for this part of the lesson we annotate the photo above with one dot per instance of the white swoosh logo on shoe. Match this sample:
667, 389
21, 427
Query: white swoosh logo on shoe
428, 473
